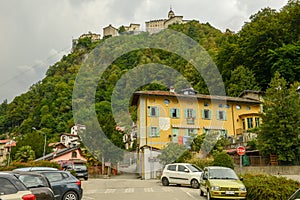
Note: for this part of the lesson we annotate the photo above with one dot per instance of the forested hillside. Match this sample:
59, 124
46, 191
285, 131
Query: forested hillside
247, 59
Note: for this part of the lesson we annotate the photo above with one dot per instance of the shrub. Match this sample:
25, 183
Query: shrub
184, 157
16, 165
201, 162
223, 159
262, 187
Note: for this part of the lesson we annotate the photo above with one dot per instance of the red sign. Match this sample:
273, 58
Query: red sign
241, 150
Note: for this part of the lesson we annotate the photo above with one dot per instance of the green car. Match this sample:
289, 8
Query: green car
221, 183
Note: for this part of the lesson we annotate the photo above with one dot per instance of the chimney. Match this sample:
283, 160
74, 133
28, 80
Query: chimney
172, 89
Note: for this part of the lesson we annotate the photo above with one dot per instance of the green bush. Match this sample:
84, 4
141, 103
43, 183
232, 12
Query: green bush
201, 162
185, 156
223, 159
262, 187
16, 165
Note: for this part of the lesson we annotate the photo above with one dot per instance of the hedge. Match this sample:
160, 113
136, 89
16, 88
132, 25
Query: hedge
262, 187
15, 165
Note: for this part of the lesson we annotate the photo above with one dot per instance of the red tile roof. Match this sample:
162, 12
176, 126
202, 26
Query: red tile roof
136, 96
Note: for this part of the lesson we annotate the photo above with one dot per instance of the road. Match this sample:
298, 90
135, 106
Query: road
135, 189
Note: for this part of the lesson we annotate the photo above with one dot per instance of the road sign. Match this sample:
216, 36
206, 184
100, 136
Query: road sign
241, 150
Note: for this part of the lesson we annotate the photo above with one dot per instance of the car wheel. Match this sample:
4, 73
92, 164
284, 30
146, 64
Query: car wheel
70, 196
86, 178
165, 181
194, 184
208, 196
201, 193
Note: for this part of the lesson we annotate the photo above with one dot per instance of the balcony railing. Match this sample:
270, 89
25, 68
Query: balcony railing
190, 120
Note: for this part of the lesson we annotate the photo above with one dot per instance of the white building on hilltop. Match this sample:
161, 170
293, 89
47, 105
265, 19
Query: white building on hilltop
154, 26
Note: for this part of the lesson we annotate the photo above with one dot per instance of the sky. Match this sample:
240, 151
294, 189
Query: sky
37, 33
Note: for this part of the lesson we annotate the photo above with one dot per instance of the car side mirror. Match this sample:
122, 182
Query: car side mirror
241, 179
204, 178
186, 170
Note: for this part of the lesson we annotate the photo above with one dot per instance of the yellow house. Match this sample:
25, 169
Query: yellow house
166, 116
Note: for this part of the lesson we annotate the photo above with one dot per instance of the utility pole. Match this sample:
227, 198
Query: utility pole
45, 141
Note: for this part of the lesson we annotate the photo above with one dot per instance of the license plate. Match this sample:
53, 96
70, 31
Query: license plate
229, 192
79, 174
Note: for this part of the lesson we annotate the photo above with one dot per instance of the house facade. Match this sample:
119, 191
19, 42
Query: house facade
5, 148
154, 26
165, 116
110, 31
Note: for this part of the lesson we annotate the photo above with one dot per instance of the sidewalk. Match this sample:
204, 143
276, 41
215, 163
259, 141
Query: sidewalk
293, 177
126, 176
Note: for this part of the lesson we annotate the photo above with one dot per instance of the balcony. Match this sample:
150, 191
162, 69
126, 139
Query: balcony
190, 120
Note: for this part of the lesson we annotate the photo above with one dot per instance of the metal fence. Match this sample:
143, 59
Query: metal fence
266, 161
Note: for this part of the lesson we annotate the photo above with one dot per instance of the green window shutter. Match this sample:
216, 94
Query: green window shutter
186, 132
218, 117
203, 114
226, 132
171, 111
178, 114
149, 111
157, 113
210, 114
225, 115
194, 113
185, 113
158, 132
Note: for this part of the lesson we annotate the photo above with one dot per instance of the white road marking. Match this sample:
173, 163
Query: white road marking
129, 190
167, 189
190, 195
148, 189
109, 191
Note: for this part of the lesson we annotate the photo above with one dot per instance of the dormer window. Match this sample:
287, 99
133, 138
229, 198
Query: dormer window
74, 154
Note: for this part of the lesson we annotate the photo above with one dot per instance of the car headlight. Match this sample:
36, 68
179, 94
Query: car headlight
215, 188
242, 189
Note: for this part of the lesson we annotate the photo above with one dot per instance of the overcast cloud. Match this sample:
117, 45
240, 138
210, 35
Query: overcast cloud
37, 33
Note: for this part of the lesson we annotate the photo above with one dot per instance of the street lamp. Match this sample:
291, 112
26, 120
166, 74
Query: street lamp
45, 141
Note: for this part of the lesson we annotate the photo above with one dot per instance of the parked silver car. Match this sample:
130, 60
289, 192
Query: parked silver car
181, 174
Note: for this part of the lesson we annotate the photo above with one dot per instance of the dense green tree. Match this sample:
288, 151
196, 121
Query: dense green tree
25, 154
280, 131
286, 60
223, 159
171, 153
241, 79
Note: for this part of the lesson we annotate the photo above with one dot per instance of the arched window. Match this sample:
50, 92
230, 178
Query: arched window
74, 154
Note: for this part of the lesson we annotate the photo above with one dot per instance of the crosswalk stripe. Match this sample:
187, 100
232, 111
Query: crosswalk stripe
148, 189
129, 190
109, 191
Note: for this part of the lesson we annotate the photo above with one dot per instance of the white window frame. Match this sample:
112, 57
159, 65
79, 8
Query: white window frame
224, 117
153, 111
154, 131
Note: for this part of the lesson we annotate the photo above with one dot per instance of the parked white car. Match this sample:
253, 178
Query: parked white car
181, 174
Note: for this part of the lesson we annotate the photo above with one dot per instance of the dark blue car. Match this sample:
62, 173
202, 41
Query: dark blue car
65, 186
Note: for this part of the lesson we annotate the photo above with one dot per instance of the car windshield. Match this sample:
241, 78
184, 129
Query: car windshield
222, 174
194, 168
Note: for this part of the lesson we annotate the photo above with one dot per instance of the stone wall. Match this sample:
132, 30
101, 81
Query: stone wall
272, 170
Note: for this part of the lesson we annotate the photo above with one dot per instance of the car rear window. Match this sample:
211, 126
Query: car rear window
80, 167
6, 187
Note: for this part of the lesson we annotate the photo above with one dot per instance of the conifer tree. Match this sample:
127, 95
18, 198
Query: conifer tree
280, 131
